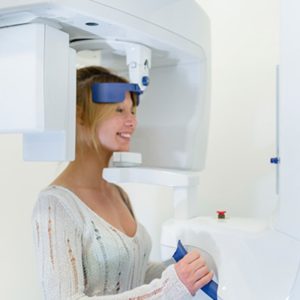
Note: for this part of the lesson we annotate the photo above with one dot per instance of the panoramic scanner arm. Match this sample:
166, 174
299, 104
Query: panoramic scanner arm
137, 57
138, 60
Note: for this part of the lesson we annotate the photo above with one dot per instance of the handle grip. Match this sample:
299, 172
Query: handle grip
210, 289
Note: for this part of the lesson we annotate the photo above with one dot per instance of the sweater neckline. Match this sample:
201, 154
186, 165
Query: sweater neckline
98, 217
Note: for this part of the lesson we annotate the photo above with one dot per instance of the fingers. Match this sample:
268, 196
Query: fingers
200, 272
191, 256
203, 281
193, 272
191, 262
197, 263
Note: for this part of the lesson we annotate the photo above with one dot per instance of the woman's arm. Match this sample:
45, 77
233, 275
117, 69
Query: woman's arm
58, 243
155, 269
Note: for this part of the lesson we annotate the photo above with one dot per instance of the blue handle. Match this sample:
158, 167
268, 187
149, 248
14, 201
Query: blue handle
210, 289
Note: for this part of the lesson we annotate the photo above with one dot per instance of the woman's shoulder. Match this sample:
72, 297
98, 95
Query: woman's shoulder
56, 194
54, 197
53, 189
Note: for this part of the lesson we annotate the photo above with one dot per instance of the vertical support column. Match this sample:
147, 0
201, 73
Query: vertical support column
289, 132
186, 202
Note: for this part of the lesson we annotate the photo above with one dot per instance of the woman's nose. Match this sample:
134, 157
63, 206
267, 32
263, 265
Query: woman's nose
131, 121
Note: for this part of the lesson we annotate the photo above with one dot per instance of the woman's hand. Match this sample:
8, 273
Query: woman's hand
193, 272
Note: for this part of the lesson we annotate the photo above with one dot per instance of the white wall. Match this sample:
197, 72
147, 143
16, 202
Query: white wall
238, 176
20, 182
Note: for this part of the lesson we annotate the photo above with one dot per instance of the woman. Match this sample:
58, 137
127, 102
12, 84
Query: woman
88, 242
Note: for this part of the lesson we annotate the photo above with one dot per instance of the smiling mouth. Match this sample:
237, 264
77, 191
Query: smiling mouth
124, 135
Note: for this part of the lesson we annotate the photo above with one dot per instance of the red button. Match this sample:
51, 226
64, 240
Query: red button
221, 214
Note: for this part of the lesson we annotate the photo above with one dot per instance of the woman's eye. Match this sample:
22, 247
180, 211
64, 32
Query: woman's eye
119, 109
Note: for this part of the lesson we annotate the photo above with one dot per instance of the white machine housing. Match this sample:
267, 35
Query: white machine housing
37, 95
174, 111
173, 114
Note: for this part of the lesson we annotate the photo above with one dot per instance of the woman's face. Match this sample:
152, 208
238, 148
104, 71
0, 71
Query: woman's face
115, 132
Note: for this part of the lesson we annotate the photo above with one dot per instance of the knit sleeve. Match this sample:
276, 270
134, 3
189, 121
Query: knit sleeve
58, 244
168, 287
154, 270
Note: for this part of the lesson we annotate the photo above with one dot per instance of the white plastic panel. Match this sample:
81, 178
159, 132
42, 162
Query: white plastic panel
252, 260
173, 118
155, 11
133, 24
57, 142
37, 94
295, 294
21, 77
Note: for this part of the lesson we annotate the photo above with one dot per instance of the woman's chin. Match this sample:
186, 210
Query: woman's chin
124, 149
116, 149
121, 148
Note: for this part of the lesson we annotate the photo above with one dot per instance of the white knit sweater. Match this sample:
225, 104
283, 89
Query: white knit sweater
81, 256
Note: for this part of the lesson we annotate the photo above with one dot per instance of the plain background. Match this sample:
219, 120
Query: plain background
238, 176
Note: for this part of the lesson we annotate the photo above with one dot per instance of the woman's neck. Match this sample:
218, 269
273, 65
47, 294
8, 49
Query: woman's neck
85, 172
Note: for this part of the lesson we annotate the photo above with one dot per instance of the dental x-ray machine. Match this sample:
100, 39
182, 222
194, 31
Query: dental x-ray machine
168, 42
37, 73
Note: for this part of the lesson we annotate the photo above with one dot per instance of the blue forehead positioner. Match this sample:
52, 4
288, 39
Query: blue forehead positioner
114, 92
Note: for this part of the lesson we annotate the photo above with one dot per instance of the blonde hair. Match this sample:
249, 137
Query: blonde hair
89, 114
